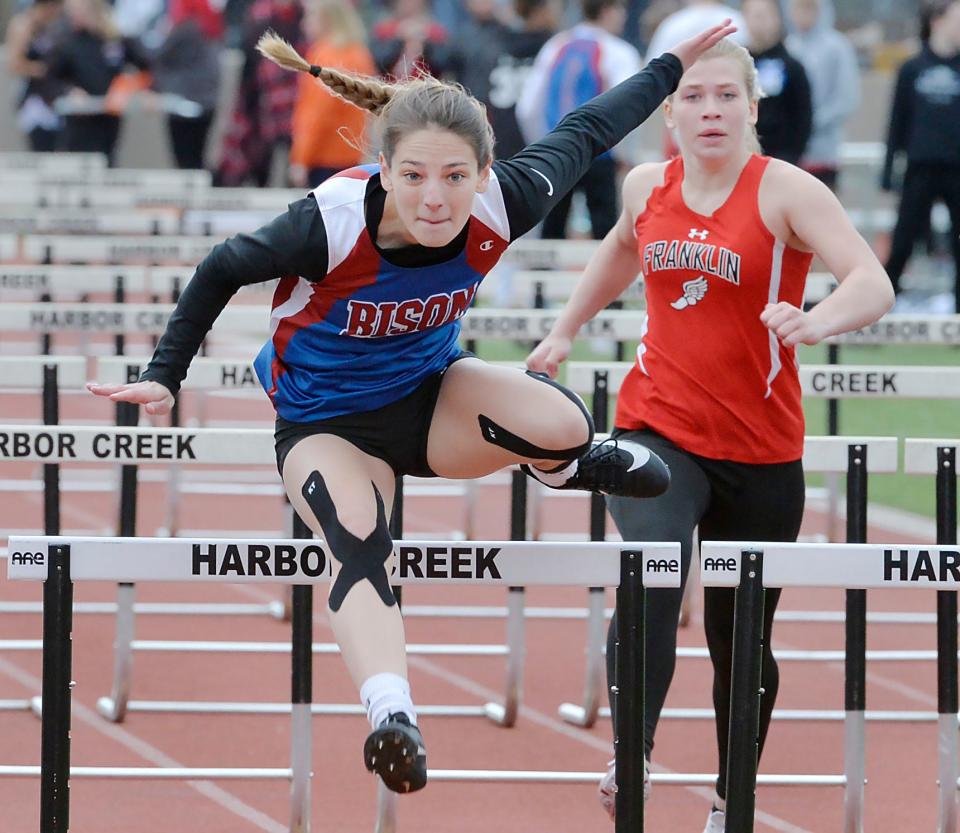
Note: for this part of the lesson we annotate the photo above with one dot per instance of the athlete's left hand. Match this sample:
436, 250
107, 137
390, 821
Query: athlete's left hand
792, 325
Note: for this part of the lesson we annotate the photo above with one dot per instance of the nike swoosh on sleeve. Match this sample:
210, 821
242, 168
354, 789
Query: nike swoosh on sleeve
544, 178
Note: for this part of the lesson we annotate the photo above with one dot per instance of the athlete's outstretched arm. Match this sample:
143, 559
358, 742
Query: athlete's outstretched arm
613, 267
816, 216
293, 243
535, 179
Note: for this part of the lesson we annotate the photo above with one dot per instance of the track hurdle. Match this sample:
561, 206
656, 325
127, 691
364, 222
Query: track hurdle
59, 248
750, 567
823, 454
108, 178
59, 562
81, 221
136, 446
48, 374
73, 280
939, 457
60, 162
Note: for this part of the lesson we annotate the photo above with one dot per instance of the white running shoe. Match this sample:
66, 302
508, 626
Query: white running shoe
715, 822
607, 791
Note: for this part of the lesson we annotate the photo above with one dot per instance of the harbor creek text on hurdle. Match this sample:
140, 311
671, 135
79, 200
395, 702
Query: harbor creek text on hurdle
14, 444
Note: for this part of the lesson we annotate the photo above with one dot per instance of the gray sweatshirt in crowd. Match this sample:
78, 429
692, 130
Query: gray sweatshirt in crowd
831, 65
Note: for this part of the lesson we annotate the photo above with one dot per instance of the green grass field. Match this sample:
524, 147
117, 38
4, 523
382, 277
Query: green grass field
863, 417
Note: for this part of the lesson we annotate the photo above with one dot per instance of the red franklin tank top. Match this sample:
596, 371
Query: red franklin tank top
708, 374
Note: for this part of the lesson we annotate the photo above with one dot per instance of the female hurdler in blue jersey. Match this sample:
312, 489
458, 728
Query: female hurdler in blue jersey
376, 266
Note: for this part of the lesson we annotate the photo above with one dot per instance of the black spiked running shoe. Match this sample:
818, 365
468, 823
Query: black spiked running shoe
394, 750
618, 467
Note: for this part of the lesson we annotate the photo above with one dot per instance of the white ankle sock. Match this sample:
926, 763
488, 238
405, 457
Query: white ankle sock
386, 694
719, 803
556, 478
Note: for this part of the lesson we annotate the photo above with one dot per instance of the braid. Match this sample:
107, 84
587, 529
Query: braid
405, 107
365, 93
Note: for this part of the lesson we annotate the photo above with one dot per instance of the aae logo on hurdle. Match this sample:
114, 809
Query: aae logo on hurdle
38, 559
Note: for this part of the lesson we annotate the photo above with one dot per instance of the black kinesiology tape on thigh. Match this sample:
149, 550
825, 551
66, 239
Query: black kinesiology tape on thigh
360, 559
498, 435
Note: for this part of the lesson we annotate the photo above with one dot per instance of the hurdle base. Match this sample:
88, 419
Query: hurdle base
575, 715
497, 713
107, 707
279, 610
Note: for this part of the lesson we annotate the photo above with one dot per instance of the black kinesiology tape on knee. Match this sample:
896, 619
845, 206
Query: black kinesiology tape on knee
360, 559
498, 435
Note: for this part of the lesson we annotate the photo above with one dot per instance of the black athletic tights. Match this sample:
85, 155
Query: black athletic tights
923, 184
729, 502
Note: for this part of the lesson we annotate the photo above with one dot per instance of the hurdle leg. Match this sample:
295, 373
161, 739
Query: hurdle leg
855, 653
301, 741
51, 471
386, 810
595, 672
281, 609
506, 715
745, 691
629, 729
854, 718
586, 715
114, 707
947, 694
471, 487
57, 685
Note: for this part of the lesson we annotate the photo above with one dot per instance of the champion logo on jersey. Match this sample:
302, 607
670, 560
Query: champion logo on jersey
698, 234
693, 291
486, 245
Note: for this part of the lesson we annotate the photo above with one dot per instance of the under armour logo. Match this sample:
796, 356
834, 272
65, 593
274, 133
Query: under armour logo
311, 487
491, 433
700, 234
486, 245
693, 291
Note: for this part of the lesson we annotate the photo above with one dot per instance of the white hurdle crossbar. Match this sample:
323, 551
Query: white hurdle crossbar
750, 567
59, 561
816, 381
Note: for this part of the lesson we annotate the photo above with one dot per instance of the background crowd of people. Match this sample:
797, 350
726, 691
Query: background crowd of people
82, 62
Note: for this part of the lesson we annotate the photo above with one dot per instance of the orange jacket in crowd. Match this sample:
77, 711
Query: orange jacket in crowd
319, 115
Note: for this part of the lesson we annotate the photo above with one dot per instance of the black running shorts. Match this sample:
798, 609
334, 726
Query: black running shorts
395, 433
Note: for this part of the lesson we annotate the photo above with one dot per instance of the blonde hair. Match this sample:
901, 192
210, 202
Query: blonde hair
404, 107
344, 24
727, 48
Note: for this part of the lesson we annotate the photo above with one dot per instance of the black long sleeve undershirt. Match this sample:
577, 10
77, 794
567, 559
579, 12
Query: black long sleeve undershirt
295, 243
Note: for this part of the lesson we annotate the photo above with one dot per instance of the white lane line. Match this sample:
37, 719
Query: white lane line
150, 753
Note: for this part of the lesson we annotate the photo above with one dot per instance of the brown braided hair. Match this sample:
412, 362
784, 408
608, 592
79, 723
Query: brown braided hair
404, 107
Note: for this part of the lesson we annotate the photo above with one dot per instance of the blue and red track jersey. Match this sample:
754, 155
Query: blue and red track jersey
370, 332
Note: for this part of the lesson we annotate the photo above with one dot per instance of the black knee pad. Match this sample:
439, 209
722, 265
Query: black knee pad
498, 435
360, 559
